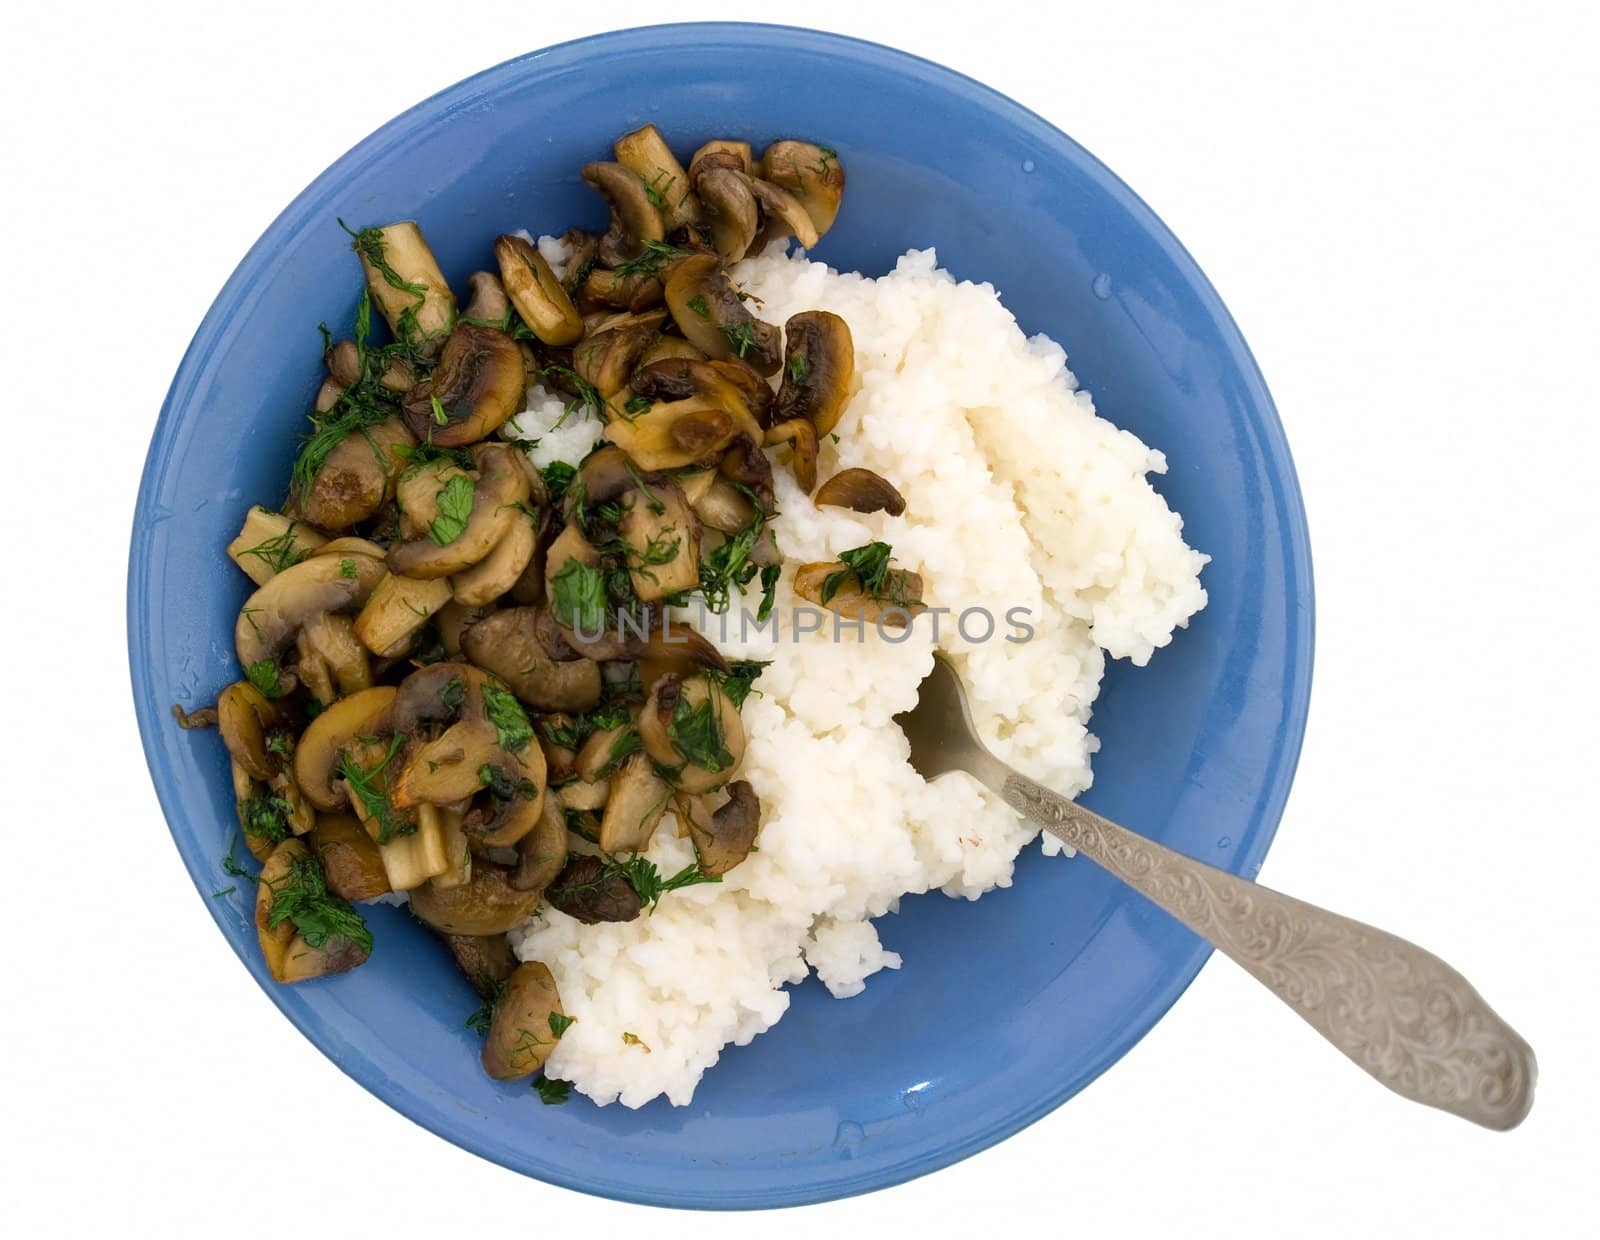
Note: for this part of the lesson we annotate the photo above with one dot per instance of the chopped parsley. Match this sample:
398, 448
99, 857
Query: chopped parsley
266, 818
552, 1092
868, 564
557, 476
347, 569
647, 882
510, 720
636, 405
578, 596
230, 863
696, 733
560, 1023
503, 786
371, 789
741, 337
455, 507
626, 743
697, 303
302, 896
264, 676
741, 675
799, 368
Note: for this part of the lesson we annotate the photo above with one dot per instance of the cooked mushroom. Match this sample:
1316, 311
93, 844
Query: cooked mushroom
583, 252
269, 542
538, 296
498, 571
349, 857
860, 490
581, 795
331, 654
801, 437
724, 507
420, 490
675, 433
606, 358
606, 750
542, 853
356, 477
812, 173
480, 381
304, 930
662, 536
487, 303
591, 892
670, 346
819, 364
486, 959
722, 839
507, 644
713, 319
782, 214
632, 291
674, 648
344, 361
489, 904
448, 767
453, 622
636, 802
634, 218
526, 1025
406, 283
730, 385
721, 152
646, 153
411, 859
396, 612
323, 743
730, 207
272, 616
453, 843
501, 488
248, 722
690, 728
895, 602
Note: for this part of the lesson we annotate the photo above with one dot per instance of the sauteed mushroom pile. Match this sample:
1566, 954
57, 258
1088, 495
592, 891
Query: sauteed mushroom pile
461, 680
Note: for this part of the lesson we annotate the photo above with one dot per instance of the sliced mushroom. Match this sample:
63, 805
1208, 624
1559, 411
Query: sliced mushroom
724, 507
272, 616
497, 820
674, 648
713, 319
604, 752
269, 542
860, 490
691, 728
350, 858
747, 465
638, 799
489, 904
730, 385
669, 346
247, 719
454, 844
487, 303
453, 622
536, 292
895, 605
480, 381
819, 364
396, 612
583, 252
447, 768
526, 1025
782, 213
501, 487
411, 860
634, 218
405, 281
582, 795
507, 644
331, 660
662, 535
625, 290
542, 853
801, 437
723, 838
812, 173
486, 959
730, 207
572, 548
419, 490
344, 361
323, 743
291, 880
497, 572
721, 152
357, 476
606, 358
646, 153
589, 891
674, 434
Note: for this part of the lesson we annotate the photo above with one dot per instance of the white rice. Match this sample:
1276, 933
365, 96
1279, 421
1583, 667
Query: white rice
1017, 496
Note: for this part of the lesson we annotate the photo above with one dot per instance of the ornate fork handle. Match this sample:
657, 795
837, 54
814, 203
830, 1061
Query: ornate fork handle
1402, 1014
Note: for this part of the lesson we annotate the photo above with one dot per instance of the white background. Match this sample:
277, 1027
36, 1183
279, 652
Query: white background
1399, 208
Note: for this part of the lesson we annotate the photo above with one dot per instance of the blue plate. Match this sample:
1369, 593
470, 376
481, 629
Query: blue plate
1067, 968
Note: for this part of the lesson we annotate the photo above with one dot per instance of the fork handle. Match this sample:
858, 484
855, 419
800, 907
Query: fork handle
1403, 1015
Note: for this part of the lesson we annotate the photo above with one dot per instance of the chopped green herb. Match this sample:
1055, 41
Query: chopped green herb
454, 694
371, 788
279, 552
651, 260
560, 1023
302, 896
266, 818
741, 337
264, 676
868, 564
799, 368
217, 895
455, 507
578, 596
280, 743
696, 733
587, 399
230, 863
503, 786
440, 417
552, 1092
697, 303
509, 719
636, 405
479, 1021
647, 881
739, 678
557, 475
347, 569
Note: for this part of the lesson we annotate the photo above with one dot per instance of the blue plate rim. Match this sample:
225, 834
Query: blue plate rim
151, 716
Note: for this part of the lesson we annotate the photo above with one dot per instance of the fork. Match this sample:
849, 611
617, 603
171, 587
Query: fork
1400, 1013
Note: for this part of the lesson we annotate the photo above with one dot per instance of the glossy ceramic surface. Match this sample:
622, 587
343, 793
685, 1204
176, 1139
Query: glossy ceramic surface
1004, 1008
